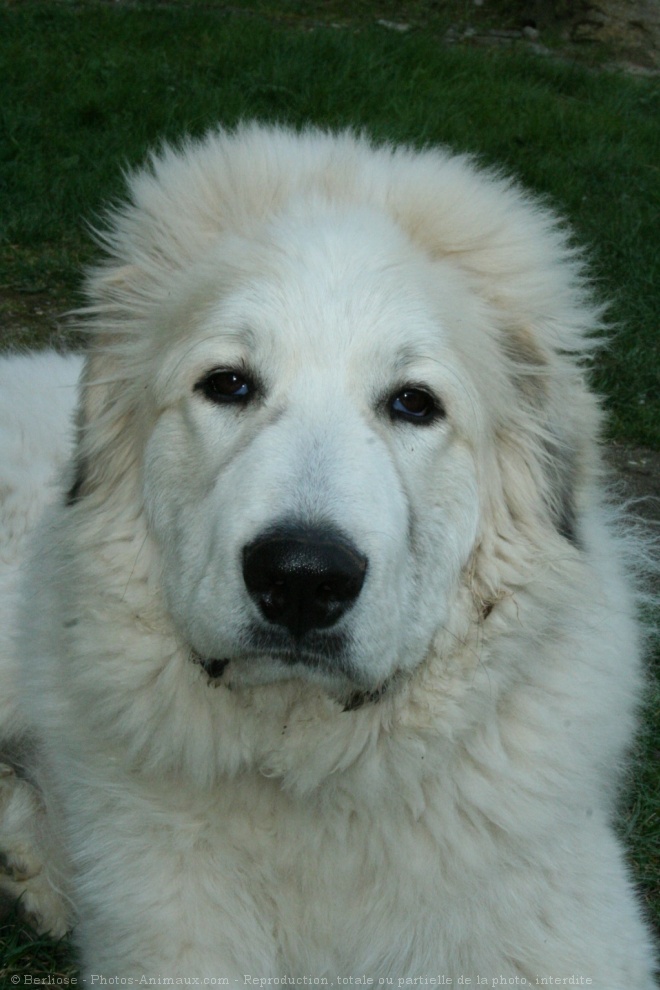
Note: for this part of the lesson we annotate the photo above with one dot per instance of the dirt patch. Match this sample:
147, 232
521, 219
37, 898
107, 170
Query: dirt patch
630, 27
611, 34
30, 318
638, 468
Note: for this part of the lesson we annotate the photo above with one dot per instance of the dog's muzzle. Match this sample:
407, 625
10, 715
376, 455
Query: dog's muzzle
303, 580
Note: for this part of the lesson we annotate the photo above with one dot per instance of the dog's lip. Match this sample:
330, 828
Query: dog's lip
324, 653
354, 698
213, 666
216, 666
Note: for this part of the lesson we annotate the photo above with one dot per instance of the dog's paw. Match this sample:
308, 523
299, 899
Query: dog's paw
23, 875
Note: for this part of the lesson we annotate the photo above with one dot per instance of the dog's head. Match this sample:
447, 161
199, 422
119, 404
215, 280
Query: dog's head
334, 379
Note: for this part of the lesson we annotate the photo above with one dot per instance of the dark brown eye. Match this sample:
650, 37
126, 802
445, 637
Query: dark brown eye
225, 385
416, 405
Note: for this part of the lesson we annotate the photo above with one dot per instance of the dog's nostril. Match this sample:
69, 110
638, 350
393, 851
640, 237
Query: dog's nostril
325, 592
303, 579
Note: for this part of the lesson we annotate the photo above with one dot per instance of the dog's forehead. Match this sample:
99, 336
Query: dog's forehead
339, 284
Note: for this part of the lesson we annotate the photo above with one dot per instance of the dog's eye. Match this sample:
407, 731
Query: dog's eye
225, 385
416, 405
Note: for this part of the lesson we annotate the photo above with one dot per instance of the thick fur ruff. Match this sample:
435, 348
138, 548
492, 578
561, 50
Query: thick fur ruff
306, 340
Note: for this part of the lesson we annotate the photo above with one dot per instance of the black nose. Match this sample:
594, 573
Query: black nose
303, 578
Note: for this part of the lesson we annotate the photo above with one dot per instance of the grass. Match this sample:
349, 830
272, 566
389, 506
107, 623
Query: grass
28, 959
86, 88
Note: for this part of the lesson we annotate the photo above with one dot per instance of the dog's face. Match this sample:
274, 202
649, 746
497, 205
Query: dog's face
310, 478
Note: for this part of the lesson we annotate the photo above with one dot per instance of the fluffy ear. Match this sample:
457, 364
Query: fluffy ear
547, 443
104, 453
101, 434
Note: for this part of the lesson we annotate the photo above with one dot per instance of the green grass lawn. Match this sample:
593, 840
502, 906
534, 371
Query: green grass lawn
86, 88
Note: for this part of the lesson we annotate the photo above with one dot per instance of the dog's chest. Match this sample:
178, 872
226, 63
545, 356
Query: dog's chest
330, 880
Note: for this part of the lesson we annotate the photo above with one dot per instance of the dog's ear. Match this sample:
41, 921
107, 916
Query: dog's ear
547, 437
104, 454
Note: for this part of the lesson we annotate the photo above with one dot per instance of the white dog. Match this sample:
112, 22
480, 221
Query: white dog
328, 658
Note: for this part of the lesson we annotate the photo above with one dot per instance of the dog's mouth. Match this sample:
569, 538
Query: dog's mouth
264, 654
350, 697
213, 667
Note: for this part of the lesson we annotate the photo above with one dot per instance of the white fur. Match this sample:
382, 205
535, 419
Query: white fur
460, 824
38, 393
